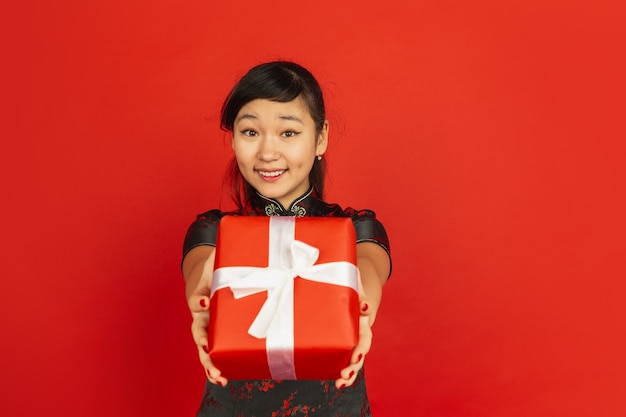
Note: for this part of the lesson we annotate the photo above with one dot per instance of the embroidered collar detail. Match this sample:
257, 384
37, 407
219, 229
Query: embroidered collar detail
298, 208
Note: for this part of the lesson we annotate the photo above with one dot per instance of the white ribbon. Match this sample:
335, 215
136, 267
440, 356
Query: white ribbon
288, 259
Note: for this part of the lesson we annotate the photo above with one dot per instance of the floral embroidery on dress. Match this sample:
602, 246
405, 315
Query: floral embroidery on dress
272, 210
298, 211
294, 410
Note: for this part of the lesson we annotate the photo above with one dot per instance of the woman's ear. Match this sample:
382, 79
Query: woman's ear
322, 140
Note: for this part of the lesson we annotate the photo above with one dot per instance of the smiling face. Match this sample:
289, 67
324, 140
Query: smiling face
275, 146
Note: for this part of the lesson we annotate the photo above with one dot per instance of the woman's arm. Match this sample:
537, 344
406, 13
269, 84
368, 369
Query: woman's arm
198, 273
198, 266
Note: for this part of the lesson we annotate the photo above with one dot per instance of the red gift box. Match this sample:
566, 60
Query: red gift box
284, 300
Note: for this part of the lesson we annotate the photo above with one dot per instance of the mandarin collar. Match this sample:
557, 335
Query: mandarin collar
299, 207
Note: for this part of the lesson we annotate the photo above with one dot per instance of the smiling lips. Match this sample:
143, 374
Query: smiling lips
271, 174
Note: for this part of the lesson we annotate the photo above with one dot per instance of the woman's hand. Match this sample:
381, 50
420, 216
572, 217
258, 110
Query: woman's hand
348, 374
198, 271
373, 270
199, 307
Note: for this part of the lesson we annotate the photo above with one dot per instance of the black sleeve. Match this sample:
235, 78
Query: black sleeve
369, 229
203, 231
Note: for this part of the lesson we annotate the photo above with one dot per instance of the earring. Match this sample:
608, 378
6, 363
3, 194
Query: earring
319, 157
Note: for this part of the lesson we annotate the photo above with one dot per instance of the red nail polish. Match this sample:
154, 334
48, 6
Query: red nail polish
358, 359
202, 303
365, 307
221, 384
205, 348
342, 386
351, 374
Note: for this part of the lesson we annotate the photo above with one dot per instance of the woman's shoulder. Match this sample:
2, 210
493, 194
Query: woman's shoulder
322, 208
359, 214
212, 216
336, 210
203, 230
367, 227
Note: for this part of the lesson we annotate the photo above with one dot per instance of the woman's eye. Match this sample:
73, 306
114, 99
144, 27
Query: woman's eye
248, 132
290, 133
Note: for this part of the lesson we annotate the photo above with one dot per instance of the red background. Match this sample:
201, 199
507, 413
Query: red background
489, 137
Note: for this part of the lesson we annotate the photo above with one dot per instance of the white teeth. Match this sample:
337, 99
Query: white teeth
271, 173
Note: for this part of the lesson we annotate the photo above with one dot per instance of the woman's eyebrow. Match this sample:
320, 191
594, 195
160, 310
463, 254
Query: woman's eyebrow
291, 117
246, 116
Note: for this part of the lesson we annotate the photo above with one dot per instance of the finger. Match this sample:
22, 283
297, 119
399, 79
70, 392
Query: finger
348, 376
199, 321
348, 373
198, 301
215, 379
201, 340
365, 340
199, 326
364, 307
212, 373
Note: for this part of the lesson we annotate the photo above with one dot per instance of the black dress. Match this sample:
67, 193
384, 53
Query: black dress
273, 398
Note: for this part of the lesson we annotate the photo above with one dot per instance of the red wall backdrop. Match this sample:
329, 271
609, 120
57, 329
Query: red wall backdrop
489, 136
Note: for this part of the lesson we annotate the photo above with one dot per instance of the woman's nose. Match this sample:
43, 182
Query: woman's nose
268, 150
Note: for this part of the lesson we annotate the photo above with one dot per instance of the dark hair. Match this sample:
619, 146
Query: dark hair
280, 81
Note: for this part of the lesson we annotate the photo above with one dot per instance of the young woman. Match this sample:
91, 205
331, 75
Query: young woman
279, 132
